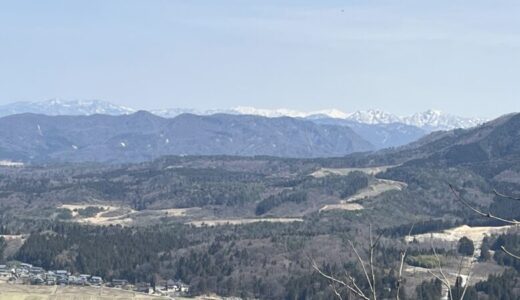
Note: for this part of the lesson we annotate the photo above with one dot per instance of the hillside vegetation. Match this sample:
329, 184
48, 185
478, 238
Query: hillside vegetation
162, 200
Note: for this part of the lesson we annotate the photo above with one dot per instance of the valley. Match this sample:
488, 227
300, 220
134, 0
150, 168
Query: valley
220, 223
259, 150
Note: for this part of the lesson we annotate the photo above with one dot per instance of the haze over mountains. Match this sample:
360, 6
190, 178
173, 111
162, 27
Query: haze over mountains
93, 130
429, 120
143, 136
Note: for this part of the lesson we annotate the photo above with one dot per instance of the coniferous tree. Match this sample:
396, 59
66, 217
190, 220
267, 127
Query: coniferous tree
466, 246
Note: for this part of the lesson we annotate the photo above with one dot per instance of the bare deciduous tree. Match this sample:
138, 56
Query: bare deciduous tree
349, 282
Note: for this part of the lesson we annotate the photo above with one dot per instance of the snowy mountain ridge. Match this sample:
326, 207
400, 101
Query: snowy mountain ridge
54, 107
429, 120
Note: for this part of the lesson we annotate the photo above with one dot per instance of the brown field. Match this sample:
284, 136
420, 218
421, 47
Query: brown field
345, 171
101, 218
116, 215
377, 188
342, 206
28, 292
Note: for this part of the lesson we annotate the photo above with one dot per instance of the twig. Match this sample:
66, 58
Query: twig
362, 266
460, 266
353, 281
446, 281
372, 246
438, 277
468, 279
509, 253
403, 257
336, 291
505, 196
487, 215
335, 280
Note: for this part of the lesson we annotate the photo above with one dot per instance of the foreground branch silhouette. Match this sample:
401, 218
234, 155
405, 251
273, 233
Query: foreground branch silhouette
349, 283
489, 214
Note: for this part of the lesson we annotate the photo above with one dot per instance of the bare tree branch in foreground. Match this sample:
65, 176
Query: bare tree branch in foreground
369, 273
505, 196
488, 214
509, 253
401, 265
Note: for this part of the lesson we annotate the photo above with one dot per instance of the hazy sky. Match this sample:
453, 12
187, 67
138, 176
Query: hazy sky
402, 56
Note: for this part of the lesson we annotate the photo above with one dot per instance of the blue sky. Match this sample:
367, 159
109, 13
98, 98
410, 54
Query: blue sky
401, 56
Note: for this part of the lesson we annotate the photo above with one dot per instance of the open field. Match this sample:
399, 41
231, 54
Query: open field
375, 188
10, 237
116, 215
104, 217
476, 234
29, 292
452, 268
110, 216
342, 206
177, 212
345, 171
243, 221
378, 187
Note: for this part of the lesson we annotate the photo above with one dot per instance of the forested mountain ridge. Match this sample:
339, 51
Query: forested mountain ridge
495, 139
143, 136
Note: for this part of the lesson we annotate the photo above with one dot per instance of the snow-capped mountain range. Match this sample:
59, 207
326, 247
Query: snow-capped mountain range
55, 107
429, 120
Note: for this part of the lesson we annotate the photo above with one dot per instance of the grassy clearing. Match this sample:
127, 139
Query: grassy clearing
423, 261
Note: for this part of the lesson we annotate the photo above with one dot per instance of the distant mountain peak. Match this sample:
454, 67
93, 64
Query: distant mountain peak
429, 120
373, 116
270, 113
283, 112
437, 120
57, 106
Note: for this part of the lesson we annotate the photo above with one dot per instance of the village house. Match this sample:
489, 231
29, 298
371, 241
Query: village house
23, 273
143, 287
96, 280
119, 283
